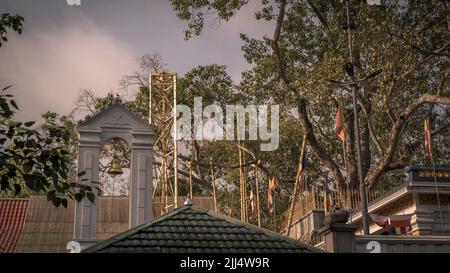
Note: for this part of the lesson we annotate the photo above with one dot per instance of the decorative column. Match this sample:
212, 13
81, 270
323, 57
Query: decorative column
141, 187
338, 236
85, 211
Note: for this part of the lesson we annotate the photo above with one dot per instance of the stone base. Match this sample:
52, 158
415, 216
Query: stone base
339, 238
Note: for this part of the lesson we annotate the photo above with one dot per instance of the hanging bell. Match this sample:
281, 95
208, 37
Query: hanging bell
116, 167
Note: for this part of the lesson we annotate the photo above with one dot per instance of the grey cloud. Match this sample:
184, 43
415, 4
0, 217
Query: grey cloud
67, 48
48, 67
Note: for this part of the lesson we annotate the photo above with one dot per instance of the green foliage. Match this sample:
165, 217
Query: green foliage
14, 22
37, 162
195, 11
210, 82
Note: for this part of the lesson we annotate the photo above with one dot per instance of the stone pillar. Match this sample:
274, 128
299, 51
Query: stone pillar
339, 238
141, 188
85, 227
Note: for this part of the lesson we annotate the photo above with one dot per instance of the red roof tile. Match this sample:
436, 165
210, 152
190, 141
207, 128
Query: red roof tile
12, 219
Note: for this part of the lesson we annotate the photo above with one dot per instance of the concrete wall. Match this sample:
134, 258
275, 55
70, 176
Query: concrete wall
403, 244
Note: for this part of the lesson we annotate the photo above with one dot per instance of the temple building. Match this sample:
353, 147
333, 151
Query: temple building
423, 198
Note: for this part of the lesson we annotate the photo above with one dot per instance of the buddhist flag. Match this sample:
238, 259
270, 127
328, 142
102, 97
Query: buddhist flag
339, 126
381, 221
327, 199
400, 224
302, 173
394, 224
270, 194
252, 203
428, 146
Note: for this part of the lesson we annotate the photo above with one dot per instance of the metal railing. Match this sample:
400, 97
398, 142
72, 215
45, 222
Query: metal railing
348, 199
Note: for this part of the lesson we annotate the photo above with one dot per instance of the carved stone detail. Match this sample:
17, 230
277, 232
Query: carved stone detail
431, 199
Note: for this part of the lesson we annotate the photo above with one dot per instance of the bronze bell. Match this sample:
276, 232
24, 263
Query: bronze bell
116, 167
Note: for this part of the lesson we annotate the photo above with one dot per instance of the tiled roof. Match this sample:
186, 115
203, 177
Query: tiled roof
12, 219
190, 229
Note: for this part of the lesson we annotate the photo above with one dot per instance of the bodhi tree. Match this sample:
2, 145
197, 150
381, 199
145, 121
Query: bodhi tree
408, 42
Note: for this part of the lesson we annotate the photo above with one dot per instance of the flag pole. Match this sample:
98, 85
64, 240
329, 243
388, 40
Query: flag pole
190, 181
213, 181
245, 192
294, 198
362, 185
273, 204
348, 199
344, 157
429, 151
438, 198
241, 186
257, 195
347, 184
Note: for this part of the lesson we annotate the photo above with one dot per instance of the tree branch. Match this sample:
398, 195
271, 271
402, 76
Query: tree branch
276, 39
405, 159
436, 52
369, 124
319, 15
301, 103
384, 163
316, 148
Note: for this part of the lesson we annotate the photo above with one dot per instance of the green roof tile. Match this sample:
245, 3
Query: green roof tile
190, 229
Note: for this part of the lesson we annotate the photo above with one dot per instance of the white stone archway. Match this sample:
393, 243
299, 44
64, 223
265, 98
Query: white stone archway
116, 120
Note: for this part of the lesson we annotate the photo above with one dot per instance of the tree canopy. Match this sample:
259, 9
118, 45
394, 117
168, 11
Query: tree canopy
407, 42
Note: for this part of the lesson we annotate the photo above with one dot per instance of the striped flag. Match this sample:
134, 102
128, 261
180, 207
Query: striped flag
327, 200
428, 145
381, 221
302, 173
270, 194
394, 224
252, 202
339, 126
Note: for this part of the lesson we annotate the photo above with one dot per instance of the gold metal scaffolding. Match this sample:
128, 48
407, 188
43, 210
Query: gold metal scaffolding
162, 115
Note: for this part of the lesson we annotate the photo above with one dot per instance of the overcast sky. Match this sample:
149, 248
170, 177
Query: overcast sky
65, 48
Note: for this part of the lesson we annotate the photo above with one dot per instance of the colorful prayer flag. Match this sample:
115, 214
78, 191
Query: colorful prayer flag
270, 193
252, 203
394, 224
302, 173
339, 126
328, 201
